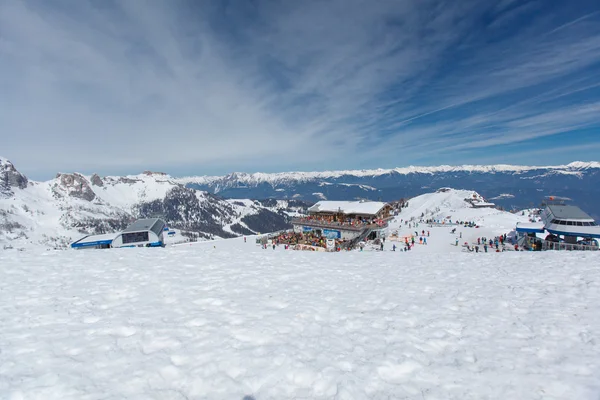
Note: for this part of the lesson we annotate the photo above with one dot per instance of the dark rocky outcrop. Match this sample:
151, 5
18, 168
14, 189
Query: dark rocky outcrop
124, 179
10, 177
96, 180
73, 185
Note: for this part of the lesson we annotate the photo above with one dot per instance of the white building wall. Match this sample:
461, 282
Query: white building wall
118, 241
152, 238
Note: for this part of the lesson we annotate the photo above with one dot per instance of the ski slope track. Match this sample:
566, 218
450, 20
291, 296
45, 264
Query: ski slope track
227, 319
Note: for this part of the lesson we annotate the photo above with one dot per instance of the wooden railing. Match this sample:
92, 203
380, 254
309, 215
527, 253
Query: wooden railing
336, 225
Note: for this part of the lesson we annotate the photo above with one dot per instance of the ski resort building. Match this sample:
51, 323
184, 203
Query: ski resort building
568, 227
142, 233
345, 220
483, 204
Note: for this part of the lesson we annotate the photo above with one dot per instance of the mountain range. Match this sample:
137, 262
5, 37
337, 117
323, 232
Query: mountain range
59, 211
509, 186
54, 213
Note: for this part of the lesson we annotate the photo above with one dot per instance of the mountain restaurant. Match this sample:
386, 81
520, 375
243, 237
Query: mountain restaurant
345, 220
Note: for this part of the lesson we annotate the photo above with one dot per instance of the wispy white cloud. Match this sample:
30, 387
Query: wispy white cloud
266, 85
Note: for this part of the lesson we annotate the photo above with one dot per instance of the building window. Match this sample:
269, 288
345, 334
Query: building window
135, 237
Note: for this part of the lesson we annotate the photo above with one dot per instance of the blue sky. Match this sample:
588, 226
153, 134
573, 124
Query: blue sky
209, 87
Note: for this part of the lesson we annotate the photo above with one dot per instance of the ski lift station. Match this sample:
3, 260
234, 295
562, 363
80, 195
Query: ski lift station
568, 227
142, 233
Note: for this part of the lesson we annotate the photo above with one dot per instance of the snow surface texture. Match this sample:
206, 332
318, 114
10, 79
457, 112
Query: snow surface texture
229, 320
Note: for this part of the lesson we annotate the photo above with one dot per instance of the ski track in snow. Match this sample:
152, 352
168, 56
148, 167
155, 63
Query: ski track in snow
234, 320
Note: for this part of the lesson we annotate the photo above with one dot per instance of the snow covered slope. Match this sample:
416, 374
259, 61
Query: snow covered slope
59, 211
447, 205
228, 320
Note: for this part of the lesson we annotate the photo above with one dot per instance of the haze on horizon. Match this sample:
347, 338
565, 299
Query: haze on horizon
203, 88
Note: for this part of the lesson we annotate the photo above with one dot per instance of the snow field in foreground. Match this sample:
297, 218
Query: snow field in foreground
230, 321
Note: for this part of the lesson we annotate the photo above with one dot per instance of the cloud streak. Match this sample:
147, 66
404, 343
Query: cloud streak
205, 87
